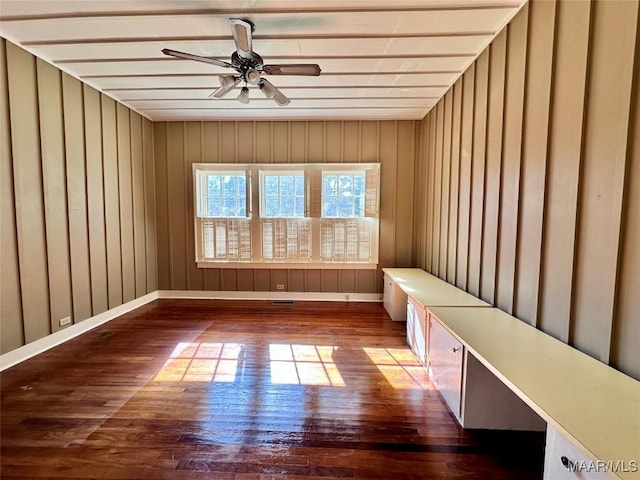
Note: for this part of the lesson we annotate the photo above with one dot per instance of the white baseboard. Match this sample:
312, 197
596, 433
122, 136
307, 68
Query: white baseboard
29, 350
299, 296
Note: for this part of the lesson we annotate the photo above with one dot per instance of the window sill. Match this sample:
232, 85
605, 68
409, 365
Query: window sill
290, 266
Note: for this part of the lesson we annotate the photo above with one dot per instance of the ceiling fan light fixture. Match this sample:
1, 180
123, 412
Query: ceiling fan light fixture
227, 82
267, 89
252, 76
243, 97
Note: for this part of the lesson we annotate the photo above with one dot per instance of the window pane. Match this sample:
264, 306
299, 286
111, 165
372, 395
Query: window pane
343, 195
226, 195
286, 206
299, 190
345, 207
271, 207
270, 185
299, 207
286, 185
283, 195
229, 185
213, 185
358, 185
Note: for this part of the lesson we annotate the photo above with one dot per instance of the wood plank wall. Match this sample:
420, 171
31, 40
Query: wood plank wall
541, 134
180, 144
78, 200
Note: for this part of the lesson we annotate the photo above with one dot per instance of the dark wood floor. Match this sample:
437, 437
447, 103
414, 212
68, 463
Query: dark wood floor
204, 389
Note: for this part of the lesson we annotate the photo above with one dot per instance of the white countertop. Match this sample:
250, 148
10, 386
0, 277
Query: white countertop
429, 290
592, 404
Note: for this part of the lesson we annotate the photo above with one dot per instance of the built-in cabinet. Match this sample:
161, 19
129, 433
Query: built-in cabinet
564, 461
394, 300
476, 397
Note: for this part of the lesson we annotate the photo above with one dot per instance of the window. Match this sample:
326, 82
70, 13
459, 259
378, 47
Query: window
343, 195
224, 195
308, 215
346, 231
282, 194
223, 229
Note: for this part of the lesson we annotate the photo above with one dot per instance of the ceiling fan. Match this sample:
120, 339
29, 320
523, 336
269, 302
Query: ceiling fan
249, 66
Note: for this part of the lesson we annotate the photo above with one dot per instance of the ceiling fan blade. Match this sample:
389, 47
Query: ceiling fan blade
227, 83
293, 69
270, 91
197, 58
242, 31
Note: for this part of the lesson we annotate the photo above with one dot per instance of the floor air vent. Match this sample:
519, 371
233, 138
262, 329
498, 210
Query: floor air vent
283, 302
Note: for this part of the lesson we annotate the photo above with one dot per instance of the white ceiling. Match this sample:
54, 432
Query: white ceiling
380, 59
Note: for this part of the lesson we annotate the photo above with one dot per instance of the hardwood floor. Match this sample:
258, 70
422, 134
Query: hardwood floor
200, 389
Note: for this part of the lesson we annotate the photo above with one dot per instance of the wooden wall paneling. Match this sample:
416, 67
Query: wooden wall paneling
126, 203
493, 167
77, 197
315, 142
437, 188
427, 183
177, 179
138, 191
297, 142
431, 187
160, 143
346, 280
446, 184
478, 173
329, 280
369, 139
264, 142
420, 194
149, 206
466, 161
95, 200
280, 142
351, 142
625, 354
334, 139
213, 279
454, 189
244, 279
313, 281
193, 146
403, 191
511, 149
388, 176
229, 279
228, 142
534, 158
112, 200
262, 279
610, 77
27, 178
10, 302
211, 144
295, 280
366, 282
246, 141
54, 176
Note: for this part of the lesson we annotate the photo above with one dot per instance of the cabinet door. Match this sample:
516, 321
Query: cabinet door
445, 364
416, 329
564, 461
394, 300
